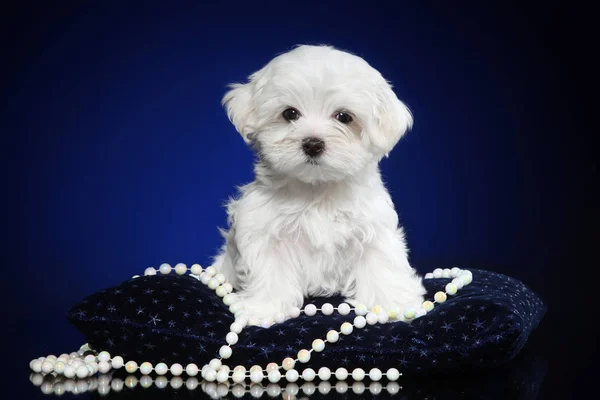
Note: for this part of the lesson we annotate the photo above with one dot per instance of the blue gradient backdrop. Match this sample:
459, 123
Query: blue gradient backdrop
121, 156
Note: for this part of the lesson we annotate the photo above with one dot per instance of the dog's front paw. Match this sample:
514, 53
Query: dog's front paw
259, 312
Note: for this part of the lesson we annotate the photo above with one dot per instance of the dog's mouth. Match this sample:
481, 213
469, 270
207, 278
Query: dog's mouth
312, 161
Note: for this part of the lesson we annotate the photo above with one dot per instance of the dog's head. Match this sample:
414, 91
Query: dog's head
318, 114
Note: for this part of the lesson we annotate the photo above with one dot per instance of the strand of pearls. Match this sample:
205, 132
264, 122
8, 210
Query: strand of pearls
81, 364
105, 383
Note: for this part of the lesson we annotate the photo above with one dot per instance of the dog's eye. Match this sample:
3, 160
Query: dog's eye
291, 114
343, 117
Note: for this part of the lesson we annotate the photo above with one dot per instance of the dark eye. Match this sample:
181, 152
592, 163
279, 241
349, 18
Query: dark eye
291, 114
343, 117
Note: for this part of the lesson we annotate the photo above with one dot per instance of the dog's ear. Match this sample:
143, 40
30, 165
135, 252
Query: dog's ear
238, 104
392, 119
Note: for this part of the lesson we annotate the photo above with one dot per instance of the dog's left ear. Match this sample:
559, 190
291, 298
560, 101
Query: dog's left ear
238, 104
392, 119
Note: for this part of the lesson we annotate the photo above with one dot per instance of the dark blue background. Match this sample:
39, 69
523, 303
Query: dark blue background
119, 155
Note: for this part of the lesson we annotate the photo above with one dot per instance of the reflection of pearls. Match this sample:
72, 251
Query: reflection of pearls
104, 384
76, 364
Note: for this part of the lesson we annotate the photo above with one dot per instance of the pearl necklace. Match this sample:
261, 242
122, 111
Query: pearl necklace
82, 364
105, 383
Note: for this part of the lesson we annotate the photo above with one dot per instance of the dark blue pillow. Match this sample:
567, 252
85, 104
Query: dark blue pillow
171, 318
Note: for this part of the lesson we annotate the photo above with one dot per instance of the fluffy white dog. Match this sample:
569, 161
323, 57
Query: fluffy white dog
317, 220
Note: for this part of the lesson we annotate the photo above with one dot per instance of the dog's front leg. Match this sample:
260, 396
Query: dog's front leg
384, 277
271, 286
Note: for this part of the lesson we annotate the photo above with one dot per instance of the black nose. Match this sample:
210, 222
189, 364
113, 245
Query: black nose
312, 146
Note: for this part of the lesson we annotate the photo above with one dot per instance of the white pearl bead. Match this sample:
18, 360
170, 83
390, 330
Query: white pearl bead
205, 278
161, 368
191, 369
238, 377
117, 362
104, 356
458, 282
360, 322
221, 291
229, 299
176, 369
131, 367
358, 374
256, 376
220, 278
292, 375
309, 374
47, 367
454, 272
149, 271
346, 328
437, 273
383, 317
272, 367
377, 309
231, 338
165, 269
274, 376
446, 273
59, 367
409, 313
428, 305
419, 312
310, 310
82, 372
467, 278
332, 336
235, 307
375, 374
236, 327
240, 369
393, 374
222, 376
327, 309
440, 297
451, 289
90, 358
341, 387
266, 322
324, 373
211, 271
288, 363
344, 309
225, 352
361, 309
69, 371
428, 275
280, 318
318, 345
103, 367
215, 364
180, 269
341, 374
146, 368
210, 375
255, 368
196, 269
371, 318
303, 356
294, 312
213, 284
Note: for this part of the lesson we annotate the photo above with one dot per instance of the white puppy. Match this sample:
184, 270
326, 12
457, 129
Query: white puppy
318, 219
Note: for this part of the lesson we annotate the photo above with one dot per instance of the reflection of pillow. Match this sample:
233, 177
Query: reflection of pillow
177, 319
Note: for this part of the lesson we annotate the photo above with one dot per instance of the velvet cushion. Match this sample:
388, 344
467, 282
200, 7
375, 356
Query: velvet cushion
170, 318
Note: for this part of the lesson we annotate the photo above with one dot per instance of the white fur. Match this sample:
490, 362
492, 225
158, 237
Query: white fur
303, 229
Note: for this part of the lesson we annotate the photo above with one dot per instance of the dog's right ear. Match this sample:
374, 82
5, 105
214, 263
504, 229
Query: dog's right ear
238, 104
